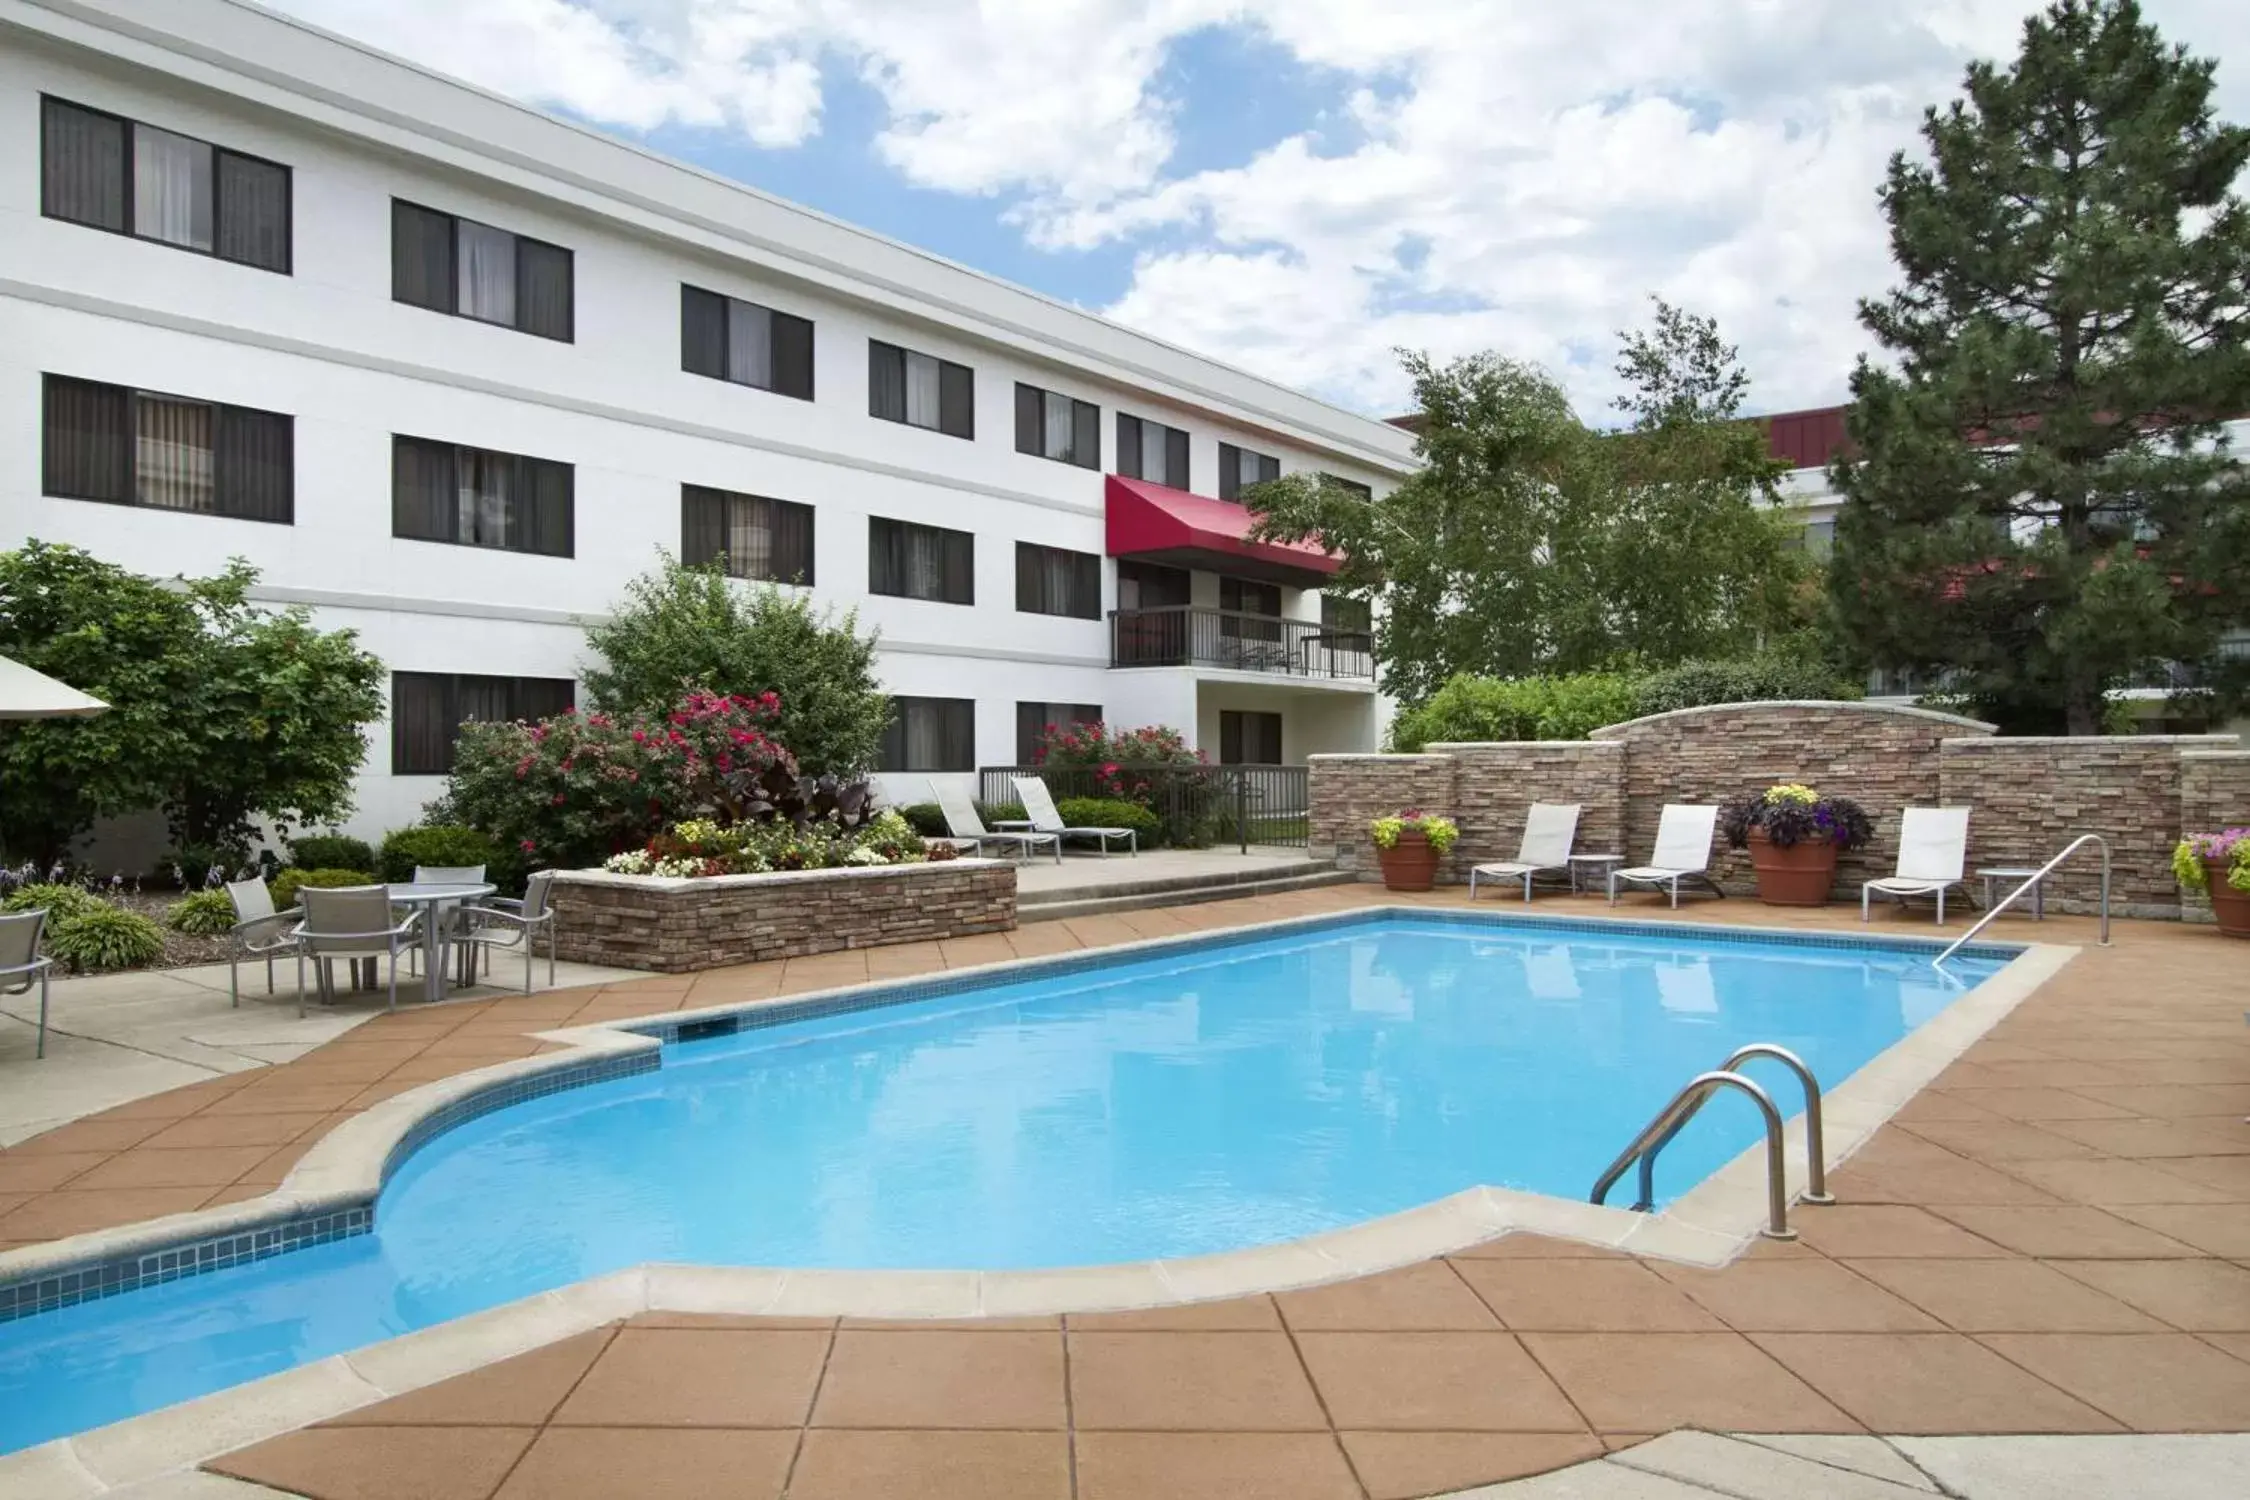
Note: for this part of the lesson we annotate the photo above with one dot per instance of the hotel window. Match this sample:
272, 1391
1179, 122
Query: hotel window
128, 447
930, 734
110, 173
1819, 537
1034, 721
472, 270
1063, 428
907, 561
920, 390
1249, 739
1052, 581
441, 492
1239, 468
729, 339
1152, 451
1346, 616
429, 708
767, 540
1364, 492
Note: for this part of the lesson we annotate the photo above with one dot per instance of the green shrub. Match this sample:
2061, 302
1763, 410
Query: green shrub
205, 913
995, 813
436, 844
1745, 679
59, 900
331, 851
287, 883
105, 937
926, 818
195, 864
1517, 708
1109, 812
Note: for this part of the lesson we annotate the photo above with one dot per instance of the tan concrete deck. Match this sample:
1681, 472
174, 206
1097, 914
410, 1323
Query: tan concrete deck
2055, 1237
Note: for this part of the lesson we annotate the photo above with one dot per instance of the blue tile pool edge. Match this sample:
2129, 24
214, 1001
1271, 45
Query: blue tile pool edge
85, 1267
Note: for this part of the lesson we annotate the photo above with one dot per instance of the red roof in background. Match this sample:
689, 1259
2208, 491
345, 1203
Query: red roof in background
1168, 525
1806, 439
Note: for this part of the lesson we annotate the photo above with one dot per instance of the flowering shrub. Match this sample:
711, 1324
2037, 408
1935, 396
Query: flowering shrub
2229, 849
703, 847
1441, 832
1792, 813
1150, 767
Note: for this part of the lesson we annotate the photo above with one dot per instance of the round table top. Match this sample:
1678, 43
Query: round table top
408, 891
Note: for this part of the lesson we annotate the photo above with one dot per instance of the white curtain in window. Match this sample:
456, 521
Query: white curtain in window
1246, 467
1055, 422
486, 483
749, 537
171, 188
925, 562
172, 454
749, 344
1157, 438
487, 273
921, 390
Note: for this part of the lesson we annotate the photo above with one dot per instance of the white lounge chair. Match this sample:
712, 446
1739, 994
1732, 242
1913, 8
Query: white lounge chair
962, 822
1933, 849
1683, 852
1039, 808
1548, 832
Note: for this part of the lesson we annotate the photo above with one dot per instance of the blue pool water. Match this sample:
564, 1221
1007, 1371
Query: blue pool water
1174, 1105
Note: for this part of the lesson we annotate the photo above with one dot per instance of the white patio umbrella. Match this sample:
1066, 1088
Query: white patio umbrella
25, 694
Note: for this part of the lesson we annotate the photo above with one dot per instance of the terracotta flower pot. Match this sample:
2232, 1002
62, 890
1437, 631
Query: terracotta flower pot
1800, 875
1410, 864
2230, 906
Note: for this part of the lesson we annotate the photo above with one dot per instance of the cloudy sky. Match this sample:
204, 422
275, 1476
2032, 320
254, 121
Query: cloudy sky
1299, 186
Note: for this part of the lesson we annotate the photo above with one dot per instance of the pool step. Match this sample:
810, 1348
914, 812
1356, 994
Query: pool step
1135, 895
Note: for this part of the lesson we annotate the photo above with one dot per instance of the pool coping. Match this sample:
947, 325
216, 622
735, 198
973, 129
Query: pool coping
341, 1176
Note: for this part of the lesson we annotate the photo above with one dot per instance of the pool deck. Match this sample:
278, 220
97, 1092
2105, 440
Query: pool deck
2054, 1237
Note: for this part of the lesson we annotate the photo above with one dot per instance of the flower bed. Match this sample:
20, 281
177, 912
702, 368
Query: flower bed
678, 924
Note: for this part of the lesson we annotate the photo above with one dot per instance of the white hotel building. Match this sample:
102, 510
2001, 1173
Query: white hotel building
451, 371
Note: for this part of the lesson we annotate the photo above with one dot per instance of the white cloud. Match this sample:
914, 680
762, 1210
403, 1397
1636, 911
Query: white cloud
1524, 175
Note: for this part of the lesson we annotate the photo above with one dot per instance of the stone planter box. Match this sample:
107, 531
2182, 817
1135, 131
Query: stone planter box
674, 926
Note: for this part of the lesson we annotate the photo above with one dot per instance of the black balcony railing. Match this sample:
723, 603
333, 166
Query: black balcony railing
1196, 807
1187, 635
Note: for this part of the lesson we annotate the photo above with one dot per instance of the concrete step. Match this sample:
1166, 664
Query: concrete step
1120, 875
1081, 903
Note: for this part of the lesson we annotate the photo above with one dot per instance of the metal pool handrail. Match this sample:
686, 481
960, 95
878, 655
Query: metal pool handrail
1685, 1103
2045, 870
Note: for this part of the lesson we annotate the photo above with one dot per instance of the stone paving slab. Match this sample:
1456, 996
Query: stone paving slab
1901, 1311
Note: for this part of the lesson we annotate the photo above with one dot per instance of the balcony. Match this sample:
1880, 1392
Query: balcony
1186, 635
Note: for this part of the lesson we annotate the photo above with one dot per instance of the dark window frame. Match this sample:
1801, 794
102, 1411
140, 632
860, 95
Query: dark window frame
1341, 616
1362, 492
892, 753
788, 515
526, 476
452, 309
1085, 442
1033, 720
876, 561
125, 226
527, 697
1132, 451
1230, 469
1085, 582
726, 308
222, 413
1235, 725
957, 391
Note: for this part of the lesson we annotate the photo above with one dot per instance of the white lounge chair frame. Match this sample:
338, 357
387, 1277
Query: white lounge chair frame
1933, 853
1549, 830
1683, 852
1039, 808
962, 822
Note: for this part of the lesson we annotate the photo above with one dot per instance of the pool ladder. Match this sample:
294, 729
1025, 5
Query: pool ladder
1673, 1118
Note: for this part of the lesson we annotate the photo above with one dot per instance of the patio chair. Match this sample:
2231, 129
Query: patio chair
1039, 807
448, 912
1549, 829
21, 962
504, 923
1683, 852
1933, 849
351, 922
962, 822
258, 931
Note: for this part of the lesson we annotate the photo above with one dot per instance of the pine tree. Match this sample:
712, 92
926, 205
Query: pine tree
2041, 500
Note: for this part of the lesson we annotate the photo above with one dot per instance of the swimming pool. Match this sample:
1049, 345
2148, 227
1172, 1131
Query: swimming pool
1237, 1092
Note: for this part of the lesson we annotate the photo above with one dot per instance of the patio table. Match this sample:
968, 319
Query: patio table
436, 900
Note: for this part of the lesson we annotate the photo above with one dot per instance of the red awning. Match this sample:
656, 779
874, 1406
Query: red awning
1155, 523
